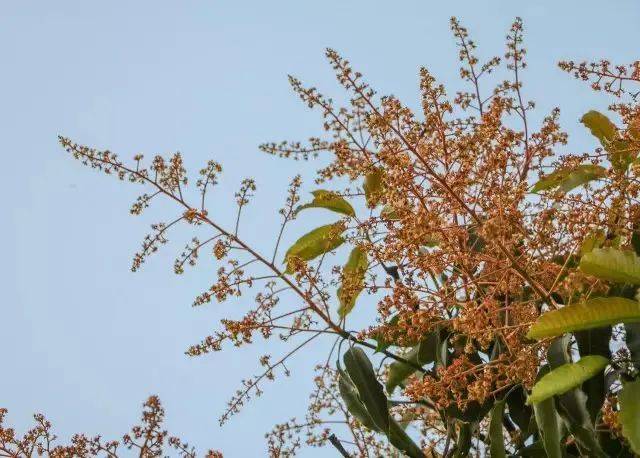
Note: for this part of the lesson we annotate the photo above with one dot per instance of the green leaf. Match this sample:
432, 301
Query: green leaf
548, 422
317, 242
594, 342
496, 445
566, 377
401, 440
535, 450
594, 313
421, 354
329, 200
572, 405
388, 212
519, 412
600, 126
633, 342
352, 280
373, 187
351, 398
463, 443
629, 415
370, 390
612, 265
591, 241
620, 154
569, 178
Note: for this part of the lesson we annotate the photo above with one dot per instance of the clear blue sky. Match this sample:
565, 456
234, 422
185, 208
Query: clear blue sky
86, 341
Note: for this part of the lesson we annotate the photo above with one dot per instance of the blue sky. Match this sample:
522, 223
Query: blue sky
85, 340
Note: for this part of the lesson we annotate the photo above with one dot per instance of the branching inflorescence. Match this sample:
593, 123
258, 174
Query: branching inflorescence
448, 236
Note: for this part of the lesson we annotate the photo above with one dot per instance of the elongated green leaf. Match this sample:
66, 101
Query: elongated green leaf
373, 187
370, 390
566, 377
519, 412
401, 440
620, 154
612, 265
593, 240
600, 126
351, 398
421, 354
594, 313
572, 405
496, 445
569, 178
315, 243
352, 280
463, 443
594, 342
329, 200
548, 422
629, 415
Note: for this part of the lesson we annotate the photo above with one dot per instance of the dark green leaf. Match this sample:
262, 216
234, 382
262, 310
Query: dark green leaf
401, 440
519, 411
629, 415
464, 440
352, 401
421, 354
548, 423
370, 390
632, 340
495, 431
594, 342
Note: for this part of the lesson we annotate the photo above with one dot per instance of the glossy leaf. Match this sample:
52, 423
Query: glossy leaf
594, 313
370, 390
401, 440
566, 377
496, 445
421, 354
352, 280
612, 264
319, 241
548, 423
572, 405
351, 398
594, 342
373, 187
569, 178
629, 415
331, 201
